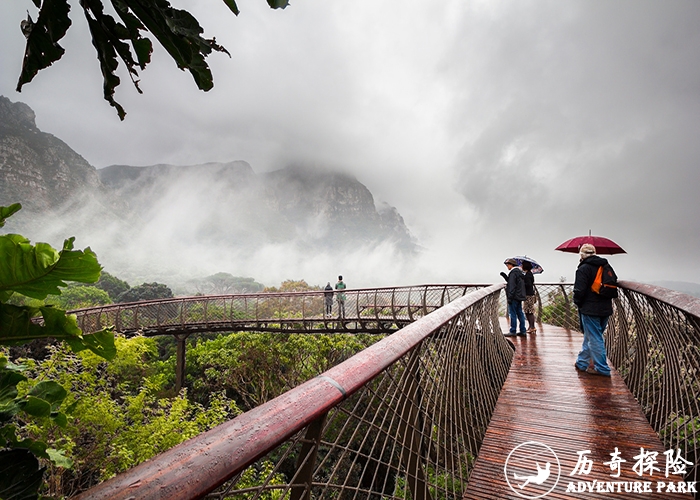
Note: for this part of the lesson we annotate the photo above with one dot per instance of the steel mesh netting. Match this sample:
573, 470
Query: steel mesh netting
377, 309
555, 305
656, 348
411, 432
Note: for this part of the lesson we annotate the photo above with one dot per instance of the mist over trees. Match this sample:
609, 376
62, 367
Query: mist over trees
225, 283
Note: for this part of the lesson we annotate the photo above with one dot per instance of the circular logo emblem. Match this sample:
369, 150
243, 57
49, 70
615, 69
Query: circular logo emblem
532, 470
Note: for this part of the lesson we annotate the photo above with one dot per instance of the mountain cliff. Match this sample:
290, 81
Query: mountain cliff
223, 206
37, 168
229, 202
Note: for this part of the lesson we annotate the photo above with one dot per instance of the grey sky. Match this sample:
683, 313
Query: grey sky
495, 128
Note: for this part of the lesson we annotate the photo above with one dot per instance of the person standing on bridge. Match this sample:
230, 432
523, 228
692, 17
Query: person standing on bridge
515, 294
530, 297
594, 312
340, 297
328, 299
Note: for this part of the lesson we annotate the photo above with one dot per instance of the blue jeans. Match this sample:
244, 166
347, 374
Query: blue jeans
515, 311
593, 347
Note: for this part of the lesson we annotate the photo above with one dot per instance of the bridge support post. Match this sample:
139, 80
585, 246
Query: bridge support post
409, 434
307, 460
180, 362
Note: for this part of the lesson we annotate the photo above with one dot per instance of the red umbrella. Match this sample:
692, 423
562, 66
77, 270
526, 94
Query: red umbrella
602, 245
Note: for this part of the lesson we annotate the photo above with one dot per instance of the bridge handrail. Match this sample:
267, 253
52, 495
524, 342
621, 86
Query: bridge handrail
653, 340
267, 295
199, 465
366, 310
679, 300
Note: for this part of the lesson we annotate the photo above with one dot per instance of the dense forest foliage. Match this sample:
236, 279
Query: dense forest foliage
122, 412
86, 409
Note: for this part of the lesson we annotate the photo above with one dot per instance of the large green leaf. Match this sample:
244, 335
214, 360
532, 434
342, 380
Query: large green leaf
278, 4
17, 327
39, 270
44, 400
58, 458
101, 343
176, 30
50, 391
10, 376
42, 48
180, 34
107, 38
8, 393
6, 212
8, 435
231, 4
35, 406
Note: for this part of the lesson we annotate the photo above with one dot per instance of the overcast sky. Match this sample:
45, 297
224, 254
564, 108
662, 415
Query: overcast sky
495, 128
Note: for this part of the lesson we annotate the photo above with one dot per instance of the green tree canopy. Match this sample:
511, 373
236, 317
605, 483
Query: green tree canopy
146, 291
225, 283
79, 296
176, 30
112, 285
293, 286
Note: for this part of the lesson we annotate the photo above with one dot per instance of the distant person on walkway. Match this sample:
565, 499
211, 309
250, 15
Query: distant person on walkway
515, 294
328, 298
530, 297
594, 312
340, 297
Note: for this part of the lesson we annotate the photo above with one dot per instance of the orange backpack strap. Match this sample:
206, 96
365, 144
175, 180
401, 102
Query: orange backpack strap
598, 281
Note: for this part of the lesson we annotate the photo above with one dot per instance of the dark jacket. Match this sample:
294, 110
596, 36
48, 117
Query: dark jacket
587, 301
529, 283
515, 289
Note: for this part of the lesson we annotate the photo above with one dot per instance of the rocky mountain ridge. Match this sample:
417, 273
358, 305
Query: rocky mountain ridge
227, 206
37, 167
310, 205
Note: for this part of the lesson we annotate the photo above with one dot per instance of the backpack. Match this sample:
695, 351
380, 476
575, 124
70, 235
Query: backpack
605, 282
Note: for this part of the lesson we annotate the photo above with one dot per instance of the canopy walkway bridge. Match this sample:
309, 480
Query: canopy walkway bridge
443, 406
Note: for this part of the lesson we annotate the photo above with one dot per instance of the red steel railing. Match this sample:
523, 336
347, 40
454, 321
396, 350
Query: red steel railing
653, 340
366, 310
405, 416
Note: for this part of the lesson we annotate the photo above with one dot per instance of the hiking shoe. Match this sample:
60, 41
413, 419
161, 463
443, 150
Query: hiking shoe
510, 334
578, 369
593, 371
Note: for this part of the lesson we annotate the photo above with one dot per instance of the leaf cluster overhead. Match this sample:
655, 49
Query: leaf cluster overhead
123, 39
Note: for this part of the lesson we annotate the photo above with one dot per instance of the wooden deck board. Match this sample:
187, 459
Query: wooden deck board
547, 401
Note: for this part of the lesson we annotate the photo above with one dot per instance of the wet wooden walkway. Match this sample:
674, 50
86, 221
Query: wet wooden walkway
548, 412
